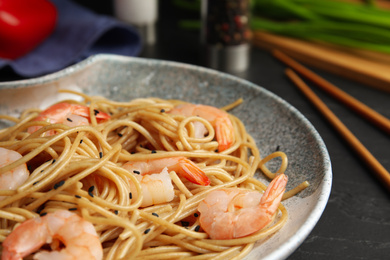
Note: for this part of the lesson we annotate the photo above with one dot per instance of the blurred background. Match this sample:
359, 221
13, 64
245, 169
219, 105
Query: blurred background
349, 38
319, 33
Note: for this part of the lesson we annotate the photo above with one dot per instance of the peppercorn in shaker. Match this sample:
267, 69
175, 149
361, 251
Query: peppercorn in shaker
226, 34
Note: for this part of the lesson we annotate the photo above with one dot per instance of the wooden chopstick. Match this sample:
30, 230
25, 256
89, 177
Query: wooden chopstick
363, 110
380, 172
366, 67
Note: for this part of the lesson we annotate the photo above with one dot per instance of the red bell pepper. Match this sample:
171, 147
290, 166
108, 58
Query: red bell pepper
24, 24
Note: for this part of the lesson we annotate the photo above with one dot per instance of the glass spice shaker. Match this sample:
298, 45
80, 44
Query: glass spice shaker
226, 34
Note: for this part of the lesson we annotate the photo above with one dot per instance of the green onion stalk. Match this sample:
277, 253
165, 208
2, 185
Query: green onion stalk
355, 25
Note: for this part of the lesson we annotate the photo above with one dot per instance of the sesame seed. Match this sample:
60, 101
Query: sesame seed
70, 120
154, 151
147, 231
35, 183
72, 209
197, 228
120, 135
78, 196
130, 195
136, 172
162, 110
81, 141
101, 154
96, 111
185, 223
90, 190
43, 214
155, 214
59, 184
54, 160
196, 215
116, 212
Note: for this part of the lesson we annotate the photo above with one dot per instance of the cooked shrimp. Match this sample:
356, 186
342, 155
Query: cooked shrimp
156, 188
233, 213
219, 119
67, 114
180, 165
77, 235
12, 179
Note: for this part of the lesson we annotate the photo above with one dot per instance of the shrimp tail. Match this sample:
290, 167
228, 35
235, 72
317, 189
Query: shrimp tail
224, 134
267, 208
193, 173
219, 119
273, 194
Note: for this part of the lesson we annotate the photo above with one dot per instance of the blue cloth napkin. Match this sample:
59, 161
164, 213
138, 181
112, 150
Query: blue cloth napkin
79, 33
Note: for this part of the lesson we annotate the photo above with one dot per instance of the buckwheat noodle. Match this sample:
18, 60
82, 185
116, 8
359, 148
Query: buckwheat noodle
79, 169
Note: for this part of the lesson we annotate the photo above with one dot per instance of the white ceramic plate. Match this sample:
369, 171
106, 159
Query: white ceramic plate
271, 121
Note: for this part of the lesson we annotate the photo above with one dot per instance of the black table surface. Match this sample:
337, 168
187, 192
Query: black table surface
356, 220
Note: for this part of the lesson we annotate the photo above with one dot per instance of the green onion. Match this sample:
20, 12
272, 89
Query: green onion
348, 24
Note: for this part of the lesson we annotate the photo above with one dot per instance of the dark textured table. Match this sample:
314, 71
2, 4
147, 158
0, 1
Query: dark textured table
356, 221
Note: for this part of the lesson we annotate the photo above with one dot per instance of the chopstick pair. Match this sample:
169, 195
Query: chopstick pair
377, 119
